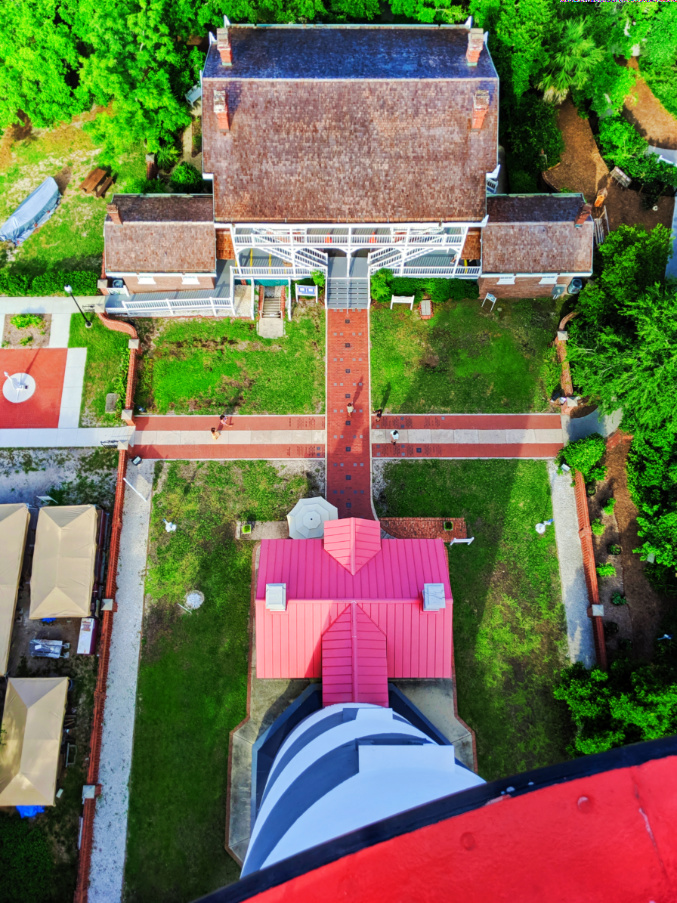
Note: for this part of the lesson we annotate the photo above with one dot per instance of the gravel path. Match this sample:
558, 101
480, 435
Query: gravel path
110, 823
570, 555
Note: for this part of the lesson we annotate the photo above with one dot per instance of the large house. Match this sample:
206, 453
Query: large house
343, 149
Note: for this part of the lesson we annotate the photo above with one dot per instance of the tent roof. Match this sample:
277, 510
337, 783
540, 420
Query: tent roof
14, 521
29, 757
63, 562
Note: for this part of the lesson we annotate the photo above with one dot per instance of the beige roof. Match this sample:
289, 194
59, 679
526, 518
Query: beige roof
63, 562
29, 756
13, 528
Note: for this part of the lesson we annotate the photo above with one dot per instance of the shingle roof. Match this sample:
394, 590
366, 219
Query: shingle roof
161, 234
349, 124
536, 234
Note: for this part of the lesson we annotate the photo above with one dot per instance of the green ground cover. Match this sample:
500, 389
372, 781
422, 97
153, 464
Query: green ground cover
464, 360
509, 628
105, 370
211, 366
73, 238
193, 674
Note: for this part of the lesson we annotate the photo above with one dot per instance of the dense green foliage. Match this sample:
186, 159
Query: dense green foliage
623, 146
384, 285
47, 284
212, 366
26, 863
627, 704
192, 688
509, 634
652, 477
186, 178
461, 361
585, 455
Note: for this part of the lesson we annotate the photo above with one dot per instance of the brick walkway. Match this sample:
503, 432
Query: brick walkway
348, 442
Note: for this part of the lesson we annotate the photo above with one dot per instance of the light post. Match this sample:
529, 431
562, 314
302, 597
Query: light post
69, 292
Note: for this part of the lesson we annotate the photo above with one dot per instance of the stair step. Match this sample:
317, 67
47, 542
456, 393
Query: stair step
351, 294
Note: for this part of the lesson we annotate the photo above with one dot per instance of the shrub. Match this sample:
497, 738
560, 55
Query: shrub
146, 186
597, 527
384, 284
614, 549
14, 285
610, 628
318, 278
618, 599
52, 282
608, 509
26, 340
606, 570
167, 156
585, 455
185, 175
23, 321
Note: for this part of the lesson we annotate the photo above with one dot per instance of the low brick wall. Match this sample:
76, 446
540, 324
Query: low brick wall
424, 527
589, 567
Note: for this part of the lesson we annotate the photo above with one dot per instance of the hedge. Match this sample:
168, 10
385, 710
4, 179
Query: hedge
51, 283
384, 284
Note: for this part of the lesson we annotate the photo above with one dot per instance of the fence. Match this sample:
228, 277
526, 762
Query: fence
175, 307
589, 568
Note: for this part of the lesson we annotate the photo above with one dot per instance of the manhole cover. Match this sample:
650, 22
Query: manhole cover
194, 599
111, 402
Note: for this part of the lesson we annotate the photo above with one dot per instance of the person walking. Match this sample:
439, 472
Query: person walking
394, 436
378, 414
350, 407
215, 434
223, 421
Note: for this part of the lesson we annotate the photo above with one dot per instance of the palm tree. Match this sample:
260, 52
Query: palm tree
573, 61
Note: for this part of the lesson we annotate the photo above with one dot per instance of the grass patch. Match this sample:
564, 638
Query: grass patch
193, 674
509, 627
463, 361
105, 370
73, 238
211, 366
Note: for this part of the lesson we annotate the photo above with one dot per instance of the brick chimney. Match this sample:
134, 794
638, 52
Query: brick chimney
475, 45
223, 44
583, 214
114, 212
480, 105
221, 110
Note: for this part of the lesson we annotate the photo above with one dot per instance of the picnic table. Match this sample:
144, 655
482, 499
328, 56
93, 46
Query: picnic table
93, 180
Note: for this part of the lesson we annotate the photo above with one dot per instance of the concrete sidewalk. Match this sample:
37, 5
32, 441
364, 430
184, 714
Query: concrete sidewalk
47, 305
65, 438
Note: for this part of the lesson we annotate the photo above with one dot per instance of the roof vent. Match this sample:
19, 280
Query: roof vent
480, 105
223, 46
221, 110
276, 596
433, 597
475, 45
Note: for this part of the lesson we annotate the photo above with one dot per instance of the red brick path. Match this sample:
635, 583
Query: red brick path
217, 451
468, 450
348, 455
47, 367
235, 422
468, 422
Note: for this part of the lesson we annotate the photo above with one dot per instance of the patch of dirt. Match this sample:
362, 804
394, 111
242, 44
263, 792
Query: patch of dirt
583, 169
645, 111
26, 336
159, 620
645, 607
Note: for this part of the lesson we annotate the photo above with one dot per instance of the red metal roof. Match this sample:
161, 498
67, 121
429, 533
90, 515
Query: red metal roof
389, 589
352, 541
354, 666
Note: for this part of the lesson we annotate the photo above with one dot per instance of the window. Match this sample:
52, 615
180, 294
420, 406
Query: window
548, 280
190, 280
146, 280
506, 280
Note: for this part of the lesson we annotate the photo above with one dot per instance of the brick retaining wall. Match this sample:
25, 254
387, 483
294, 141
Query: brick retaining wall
589, 567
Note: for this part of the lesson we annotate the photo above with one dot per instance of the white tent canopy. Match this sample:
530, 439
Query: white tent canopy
29, 757
14, 521
307, 518
63, 562
31, 213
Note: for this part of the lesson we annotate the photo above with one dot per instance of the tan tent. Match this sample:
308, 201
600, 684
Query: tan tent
13, 528
63, 562
29, 756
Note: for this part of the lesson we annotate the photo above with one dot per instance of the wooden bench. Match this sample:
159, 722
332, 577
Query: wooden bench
104, 186
93, 180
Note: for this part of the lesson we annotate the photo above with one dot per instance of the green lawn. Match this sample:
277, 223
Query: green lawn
509, 628
464, 360
211, 366
105, 370
73, 238
193, 674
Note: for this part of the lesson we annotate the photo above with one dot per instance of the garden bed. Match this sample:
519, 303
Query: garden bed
203, 366
509, 624
26, 330
464, 360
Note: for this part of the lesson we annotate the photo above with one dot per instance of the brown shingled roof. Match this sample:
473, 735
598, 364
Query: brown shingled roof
536, 234
161, 234
350, 142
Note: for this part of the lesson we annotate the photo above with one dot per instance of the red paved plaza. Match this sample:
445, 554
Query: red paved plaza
47, 367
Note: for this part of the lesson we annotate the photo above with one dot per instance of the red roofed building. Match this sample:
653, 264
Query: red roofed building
401, 586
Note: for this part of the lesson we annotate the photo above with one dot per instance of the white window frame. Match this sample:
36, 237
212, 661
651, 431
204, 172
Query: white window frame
506, 280
146, 279
549, 280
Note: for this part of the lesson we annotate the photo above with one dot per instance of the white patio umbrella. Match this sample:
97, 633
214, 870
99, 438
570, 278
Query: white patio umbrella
307, 517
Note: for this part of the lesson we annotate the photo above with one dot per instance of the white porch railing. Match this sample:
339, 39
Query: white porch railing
174, 307
443, 272
346, 237
263, 272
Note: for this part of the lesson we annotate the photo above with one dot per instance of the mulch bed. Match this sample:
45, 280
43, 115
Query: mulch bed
11, 337
645, 111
